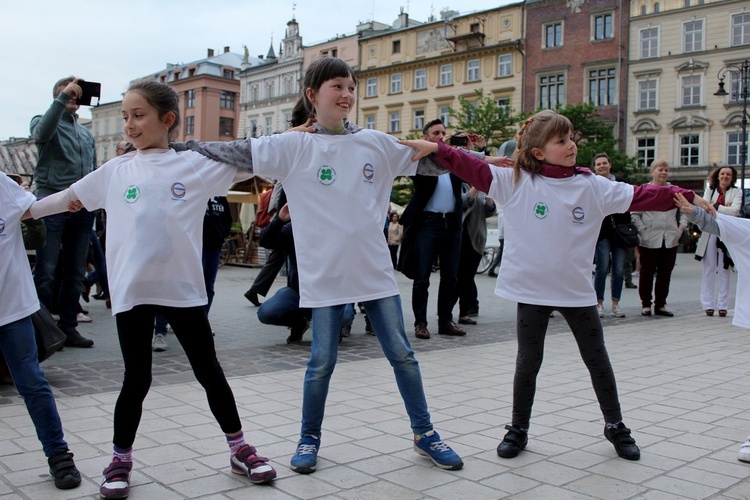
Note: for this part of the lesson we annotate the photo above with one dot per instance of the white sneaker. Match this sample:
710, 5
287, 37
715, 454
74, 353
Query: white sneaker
600, 309
82, 318
744, 454
159, 343
617, 312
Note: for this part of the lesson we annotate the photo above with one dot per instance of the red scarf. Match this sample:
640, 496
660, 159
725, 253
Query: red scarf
558, 172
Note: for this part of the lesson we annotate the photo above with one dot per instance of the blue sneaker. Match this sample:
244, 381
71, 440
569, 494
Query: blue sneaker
305, 459
430, 445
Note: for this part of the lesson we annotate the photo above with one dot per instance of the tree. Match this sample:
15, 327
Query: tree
484, 117
593, 135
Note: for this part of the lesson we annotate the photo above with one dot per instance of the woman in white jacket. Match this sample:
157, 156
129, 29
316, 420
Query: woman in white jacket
727, 198
660, 234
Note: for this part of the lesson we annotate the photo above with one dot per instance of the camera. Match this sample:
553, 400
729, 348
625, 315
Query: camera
459, 140
88, 91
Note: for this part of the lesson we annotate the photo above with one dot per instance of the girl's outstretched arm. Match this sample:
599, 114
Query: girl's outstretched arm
697, 215
470, 169
64, 201
235, 153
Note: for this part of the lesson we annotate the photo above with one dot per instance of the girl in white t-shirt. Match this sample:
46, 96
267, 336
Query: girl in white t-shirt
155, 201
552, 213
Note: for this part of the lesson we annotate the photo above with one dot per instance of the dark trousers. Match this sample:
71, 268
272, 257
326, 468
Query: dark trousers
531, 329
271, 268
134, 330
657, 262
466, 287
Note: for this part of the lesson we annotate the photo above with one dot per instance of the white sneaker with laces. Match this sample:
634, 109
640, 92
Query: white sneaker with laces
744, 454
82, 318
600, 309
617, 312
159, 343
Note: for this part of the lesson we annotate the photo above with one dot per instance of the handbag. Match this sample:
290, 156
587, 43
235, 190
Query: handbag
49, 337
626, 235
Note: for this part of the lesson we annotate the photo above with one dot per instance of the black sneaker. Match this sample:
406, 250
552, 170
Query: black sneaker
620, 437
63, 469
75, 339
513, 442
297, 331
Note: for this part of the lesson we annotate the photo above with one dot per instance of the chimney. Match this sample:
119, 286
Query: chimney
226, 49
210, 52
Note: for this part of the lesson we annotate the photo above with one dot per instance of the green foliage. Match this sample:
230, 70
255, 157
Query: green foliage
413, 135
484, 117
594, 135
403, 190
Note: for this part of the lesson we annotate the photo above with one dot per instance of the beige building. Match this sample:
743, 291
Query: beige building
106, 127
414, 74
677, 48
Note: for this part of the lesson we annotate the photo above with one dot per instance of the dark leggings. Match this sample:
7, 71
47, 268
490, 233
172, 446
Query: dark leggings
587, 329
134, 330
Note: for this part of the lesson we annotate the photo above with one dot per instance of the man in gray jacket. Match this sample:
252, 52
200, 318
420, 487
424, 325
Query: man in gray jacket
66, 154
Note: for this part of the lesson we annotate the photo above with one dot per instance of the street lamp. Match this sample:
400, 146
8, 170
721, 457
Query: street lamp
744, 82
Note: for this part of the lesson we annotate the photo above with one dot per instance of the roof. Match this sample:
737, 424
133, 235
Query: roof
18, 157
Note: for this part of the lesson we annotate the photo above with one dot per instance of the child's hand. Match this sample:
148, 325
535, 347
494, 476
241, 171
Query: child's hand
499, 161
423, 148
75, 206
683, 204
705, 205
305, 127
284, 213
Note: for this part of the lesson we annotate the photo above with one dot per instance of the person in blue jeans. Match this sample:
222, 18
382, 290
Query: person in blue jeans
18, 301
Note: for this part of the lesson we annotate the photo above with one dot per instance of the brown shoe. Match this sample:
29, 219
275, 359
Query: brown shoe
451, 329
421, 331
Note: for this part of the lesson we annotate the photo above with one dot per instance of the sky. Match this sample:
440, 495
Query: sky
114, 42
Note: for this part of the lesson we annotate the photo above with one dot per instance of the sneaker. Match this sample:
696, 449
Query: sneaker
368, 327
82, 318
631, 285
63, 469
297, 331
514, 441
744, 454
600, 309
305, 459
75, 339
619, 436
247, 462
617, 312
116, 482
346, 331
159, 344
430, 445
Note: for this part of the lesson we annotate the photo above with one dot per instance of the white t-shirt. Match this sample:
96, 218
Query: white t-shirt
735, 233
155, 205
338, 188
551, 226
17, 292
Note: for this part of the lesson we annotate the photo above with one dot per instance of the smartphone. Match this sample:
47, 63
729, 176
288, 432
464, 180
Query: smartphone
459, 140
89, 90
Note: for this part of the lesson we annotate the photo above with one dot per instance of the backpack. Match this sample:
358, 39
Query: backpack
263, 216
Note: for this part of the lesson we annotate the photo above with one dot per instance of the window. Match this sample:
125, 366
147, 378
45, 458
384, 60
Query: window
472, 70
474, 28
227, 100
551, 91
649, 43
504, 67
418, 119
603, 27
553, 35
445, 115
741, 29
269, 125
334, 52
420, 79
394, 122
735, 86
190, 98
690, 147
253, 128
647, 94
657, 9
228, 74
643, 10
645, 151
252, 92
504, 104
446, 75
691, 91
602, 86
191, 72
226, 126
396, 83
397, 46
372, 87
370, 122
734, 145
692, 33
190, 125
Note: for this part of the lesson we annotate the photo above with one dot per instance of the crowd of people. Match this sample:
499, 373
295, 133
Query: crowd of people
177, 190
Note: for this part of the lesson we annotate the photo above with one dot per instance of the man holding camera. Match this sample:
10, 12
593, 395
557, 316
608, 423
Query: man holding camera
434, 217
66, 154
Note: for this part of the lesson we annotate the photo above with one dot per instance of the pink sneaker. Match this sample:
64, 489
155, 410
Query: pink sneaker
247, 462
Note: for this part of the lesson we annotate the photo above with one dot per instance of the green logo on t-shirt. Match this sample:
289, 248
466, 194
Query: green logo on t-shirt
132, 193
326, 175
541, 210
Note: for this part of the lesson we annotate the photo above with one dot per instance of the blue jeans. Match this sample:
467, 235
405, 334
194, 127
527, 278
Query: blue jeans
18, 345
604, 248
283, 309
435, 238
67, 234
388, 322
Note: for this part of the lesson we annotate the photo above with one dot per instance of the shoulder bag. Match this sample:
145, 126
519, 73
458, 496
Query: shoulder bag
626, 235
